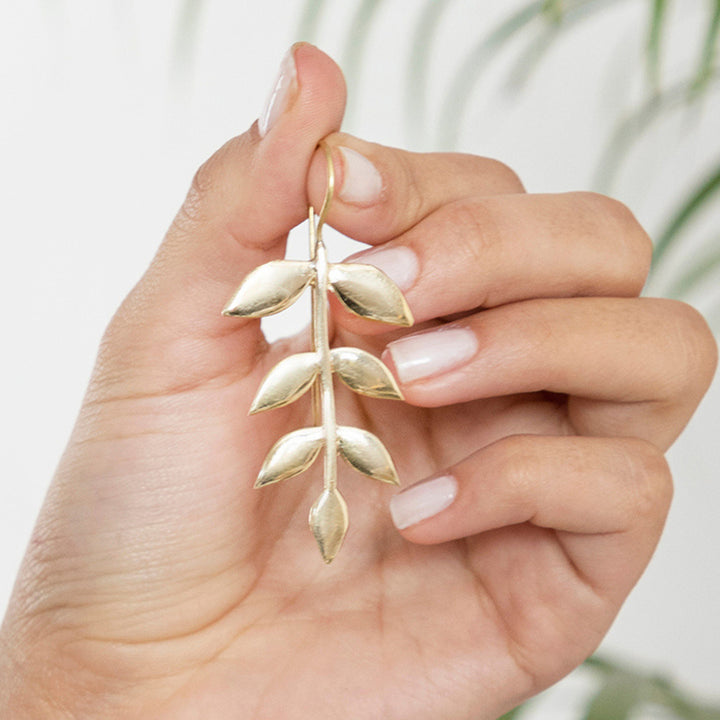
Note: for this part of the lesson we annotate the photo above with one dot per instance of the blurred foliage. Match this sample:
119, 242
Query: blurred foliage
623, 693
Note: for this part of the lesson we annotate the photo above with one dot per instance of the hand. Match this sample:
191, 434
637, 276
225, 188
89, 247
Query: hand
542, 394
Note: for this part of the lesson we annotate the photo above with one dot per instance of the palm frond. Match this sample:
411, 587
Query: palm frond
654, 42
480, 56
554, 10
417, 67
530, 58
514, 714
470, 71
188, 26
357, 37
694, 202
563, 18
638, 122
709, 50
702, 269
623, 691
619, 694
310, 19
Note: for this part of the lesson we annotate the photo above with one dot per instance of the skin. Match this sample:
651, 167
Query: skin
158, 584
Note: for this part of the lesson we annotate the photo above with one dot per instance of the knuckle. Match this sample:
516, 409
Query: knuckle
636, 246
504, 177
205, 178
634, 273
213, 181
517, 466
542, 335
475, 225
649, 482
413, 200
202, 186
608, 208
695, 348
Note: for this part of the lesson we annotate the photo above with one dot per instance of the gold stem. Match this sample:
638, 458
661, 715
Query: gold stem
330, 189
323, 394
313, 314
322, 345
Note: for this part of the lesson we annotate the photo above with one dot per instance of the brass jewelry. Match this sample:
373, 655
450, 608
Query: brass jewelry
365, 291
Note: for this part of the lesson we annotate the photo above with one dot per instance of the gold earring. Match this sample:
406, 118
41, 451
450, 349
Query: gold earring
365, 291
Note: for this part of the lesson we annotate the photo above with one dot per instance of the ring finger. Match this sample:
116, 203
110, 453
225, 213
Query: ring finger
632, 366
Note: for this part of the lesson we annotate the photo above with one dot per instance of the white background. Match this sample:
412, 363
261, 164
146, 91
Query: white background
103, 121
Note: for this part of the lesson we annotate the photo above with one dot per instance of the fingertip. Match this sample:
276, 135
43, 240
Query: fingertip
321, 81
413, 509
316, 111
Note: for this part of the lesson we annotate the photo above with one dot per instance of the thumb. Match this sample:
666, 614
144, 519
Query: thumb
243, 201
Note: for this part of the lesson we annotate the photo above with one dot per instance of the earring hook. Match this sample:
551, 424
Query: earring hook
330, 187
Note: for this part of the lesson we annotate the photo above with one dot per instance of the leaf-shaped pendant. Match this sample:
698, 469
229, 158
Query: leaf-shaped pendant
270, 288
286, 382
364, 290
290, 455
329, 522
366, 454
364, 373
368, 292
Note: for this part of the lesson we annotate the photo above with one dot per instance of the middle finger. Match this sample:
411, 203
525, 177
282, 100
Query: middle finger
489, 251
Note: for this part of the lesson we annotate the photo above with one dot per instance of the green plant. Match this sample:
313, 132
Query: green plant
621, 692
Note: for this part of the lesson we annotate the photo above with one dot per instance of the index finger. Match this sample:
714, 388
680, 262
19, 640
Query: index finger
381, 192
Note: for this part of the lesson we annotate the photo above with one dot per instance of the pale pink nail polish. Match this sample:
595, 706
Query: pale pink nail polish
422, 501
279, 99
424, 355
400, 264
362, 183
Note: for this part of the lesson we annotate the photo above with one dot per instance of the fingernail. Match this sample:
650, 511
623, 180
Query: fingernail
362, 183
416, 357
283, 90
422, 501
400, 264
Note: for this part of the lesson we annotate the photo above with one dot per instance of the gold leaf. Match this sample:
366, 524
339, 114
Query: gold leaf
270, 288
366, 454
290, 455
364, 373
329, 522
370, 293
286, 382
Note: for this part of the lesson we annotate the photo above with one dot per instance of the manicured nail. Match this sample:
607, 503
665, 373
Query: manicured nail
422, 501
400, 264
421, 356
282, 92
362, 183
